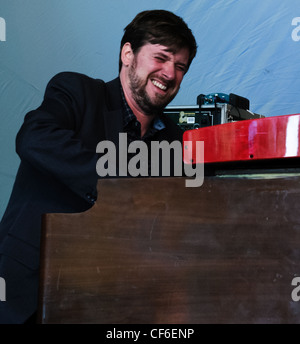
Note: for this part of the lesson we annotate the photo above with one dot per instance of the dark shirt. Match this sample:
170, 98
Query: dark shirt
132, 126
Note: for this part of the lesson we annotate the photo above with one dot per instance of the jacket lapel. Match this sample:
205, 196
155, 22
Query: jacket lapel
113, 118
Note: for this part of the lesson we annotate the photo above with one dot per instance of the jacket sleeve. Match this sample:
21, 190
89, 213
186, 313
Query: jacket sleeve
51, 137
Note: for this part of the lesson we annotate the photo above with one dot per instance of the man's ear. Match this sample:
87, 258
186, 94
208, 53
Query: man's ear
126, 54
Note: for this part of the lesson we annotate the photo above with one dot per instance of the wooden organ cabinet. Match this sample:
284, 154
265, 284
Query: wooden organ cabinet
153, 251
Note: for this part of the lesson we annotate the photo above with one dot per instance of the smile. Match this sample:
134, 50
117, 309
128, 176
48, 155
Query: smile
159, 85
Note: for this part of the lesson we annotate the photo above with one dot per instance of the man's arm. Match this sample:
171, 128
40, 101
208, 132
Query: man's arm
52, 139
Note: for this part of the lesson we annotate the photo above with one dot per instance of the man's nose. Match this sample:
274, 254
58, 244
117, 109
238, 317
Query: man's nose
169, 70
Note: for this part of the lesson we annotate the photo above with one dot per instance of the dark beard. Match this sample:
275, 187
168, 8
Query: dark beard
140, 96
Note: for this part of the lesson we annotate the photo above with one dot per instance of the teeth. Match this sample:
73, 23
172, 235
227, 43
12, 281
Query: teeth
159, 85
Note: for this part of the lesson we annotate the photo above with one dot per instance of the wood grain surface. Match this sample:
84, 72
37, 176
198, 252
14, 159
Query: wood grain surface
152, 251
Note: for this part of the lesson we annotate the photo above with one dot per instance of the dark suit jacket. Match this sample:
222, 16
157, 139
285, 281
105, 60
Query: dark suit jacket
57, 146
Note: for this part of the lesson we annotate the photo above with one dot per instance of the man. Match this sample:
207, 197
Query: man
57, 142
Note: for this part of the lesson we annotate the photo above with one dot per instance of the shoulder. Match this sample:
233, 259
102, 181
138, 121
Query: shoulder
74, 79
75, 86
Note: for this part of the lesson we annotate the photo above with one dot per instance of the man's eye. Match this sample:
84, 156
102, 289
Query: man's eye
159, 58
180, 68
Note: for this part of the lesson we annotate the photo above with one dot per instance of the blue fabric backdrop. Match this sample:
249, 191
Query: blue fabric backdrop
247, 47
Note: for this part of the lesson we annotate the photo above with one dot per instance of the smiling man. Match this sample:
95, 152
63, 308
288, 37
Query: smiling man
57, 142
151, 79
156, 51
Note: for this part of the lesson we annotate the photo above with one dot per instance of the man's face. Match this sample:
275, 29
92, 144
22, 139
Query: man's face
155, 76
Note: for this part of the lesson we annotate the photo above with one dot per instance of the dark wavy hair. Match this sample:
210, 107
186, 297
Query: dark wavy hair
159, 27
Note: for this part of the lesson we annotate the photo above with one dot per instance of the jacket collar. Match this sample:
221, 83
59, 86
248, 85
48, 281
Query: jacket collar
113, 118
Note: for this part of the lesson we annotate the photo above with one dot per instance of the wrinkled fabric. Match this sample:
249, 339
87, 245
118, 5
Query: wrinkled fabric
250, 48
